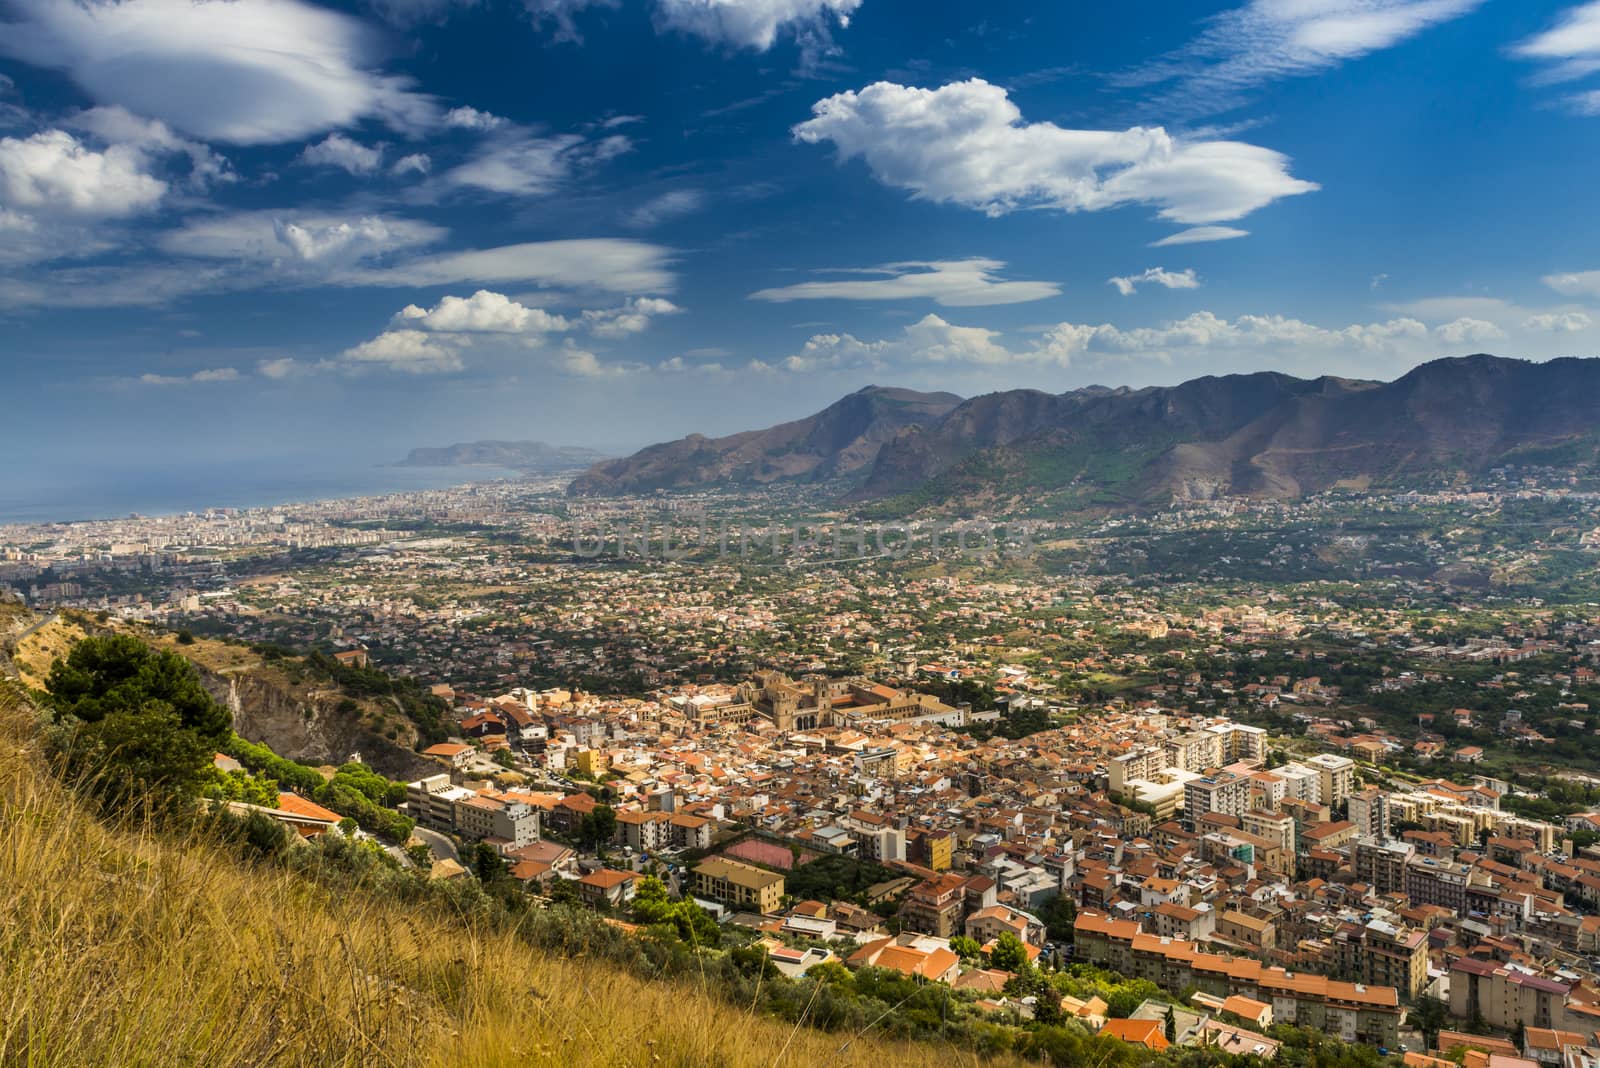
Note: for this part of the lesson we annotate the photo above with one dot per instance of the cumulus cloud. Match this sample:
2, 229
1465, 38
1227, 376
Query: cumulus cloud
465, 118
118, 126
665, 208
483, 312
756, 24
280, 368
243, 71
1198, 234
1201, 335
338, 151
1467, 331
966, 143
1558, 322
411, 351
1575, 283
1569, 50
1267, 40
951, 283
634, 317
1160, 276
930, 340
54, 173
519, 162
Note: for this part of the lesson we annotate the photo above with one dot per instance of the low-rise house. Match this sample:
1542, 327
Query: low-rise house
607, 886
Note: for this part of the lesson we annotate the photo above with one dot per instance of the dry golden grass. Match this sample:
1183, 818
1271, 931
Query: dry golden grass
34, 654
128, 949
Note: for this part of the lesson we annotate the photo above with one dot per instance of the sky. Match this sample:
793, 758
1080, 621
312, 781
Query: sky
256, 228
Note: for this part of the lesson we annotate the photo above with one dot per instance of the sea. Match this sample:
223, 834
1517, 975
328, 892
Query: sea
110, 491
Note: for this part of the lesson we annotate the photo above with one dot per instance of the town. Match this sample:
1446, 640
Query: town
1350, 802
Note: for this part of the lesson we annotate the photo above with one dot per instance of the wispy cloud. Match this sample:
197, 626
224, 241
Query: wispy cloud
1269, 40
1570, 50
951, 283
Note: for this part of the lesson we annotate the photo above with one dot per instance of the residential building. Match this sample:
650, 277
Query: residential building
738, 884
1225, 792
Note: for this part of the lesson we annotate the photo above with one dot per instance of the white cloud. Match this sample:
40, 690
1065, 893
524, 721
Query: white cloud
1284, 337
1199, 234
285, 367
483, 312
216, 374
632, 318
1558, 322
1570, 50
243, 71
931, 340
520, 163
466, 118
118, 126
291, 240
411, 351
337, 150
665, 208
1128, 285
415, 163
53, 173
951, 283
1265, 40
1205, 336
614, 265
1575, 284
966, 143
1466, 331
581, 363
756, 24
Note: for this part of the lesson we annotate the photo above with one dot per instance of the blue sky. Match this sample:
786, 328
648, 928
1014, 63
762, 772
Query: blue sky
264, 227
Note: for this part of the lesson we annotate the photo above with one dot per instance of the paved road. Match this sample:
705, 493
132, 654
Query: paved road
31, 631
442, 847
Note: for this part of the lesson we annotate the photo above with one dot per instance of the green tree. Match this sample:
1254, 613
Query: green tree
1009, 954
487, 864
966, 948
598, 827
135, 722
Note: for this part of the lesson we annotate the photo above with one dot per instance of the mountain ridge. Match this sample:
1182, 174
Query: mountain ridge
1262, 434
838, 441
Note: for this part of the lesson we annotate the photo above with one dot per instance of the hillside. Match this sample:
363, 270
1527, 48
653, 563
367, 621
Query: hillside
1263, 435
838, 441
123, 948
280, 702
534, 457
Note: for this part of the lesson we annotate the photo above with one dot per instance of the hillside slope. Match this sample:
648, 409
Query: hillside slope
838, 441
126, 949
282, 703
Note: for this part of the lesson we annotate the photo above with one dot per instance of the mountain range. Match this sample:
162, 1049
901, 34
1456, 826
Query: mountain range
534, 457
840, 441
1266, 434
